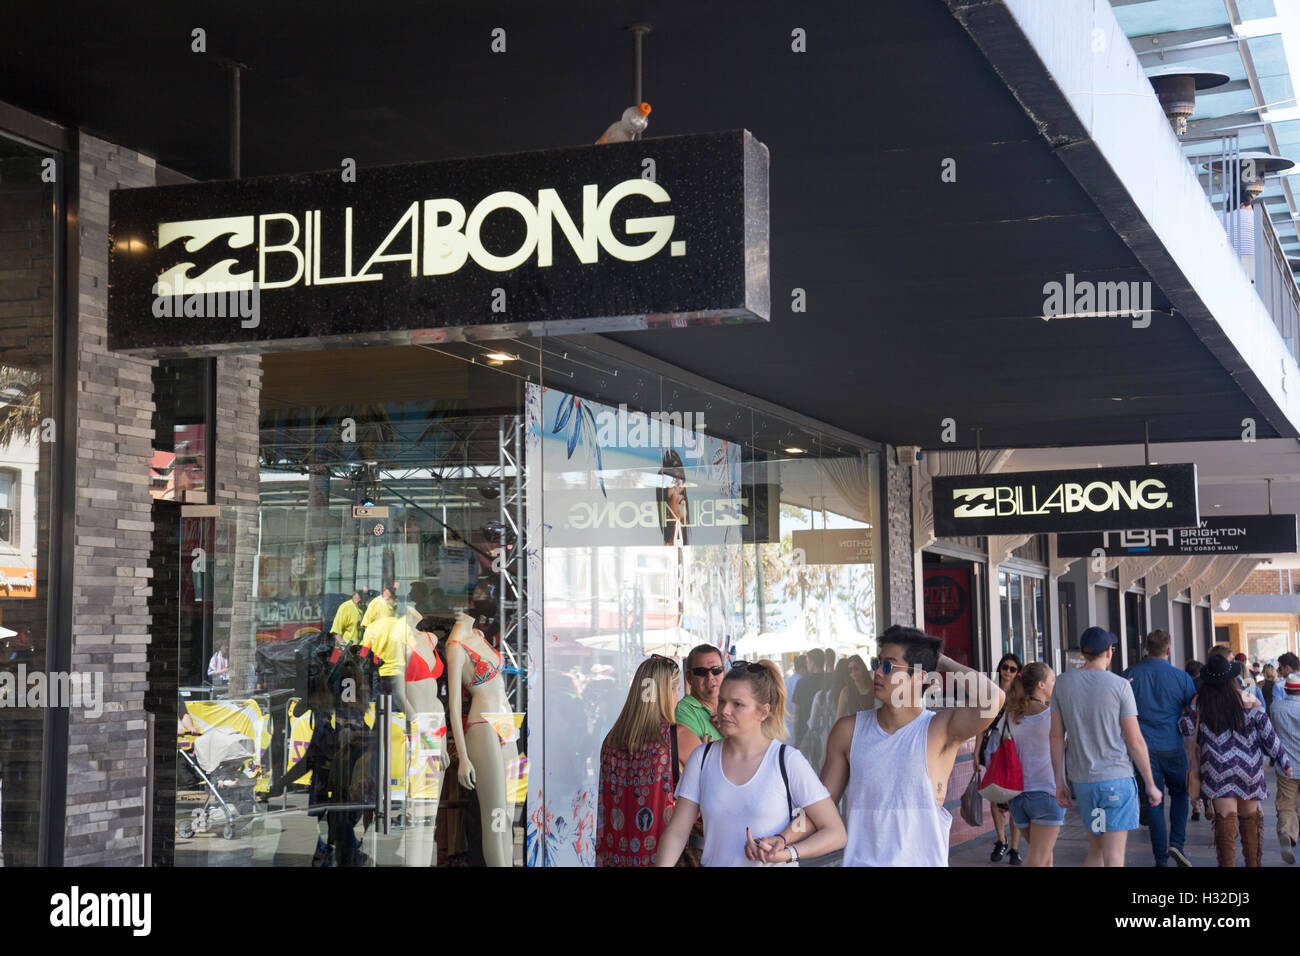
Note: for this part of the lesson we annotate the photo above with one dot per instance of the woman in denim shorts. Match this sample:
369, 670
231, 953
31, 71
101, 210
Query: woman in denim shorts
1035, 812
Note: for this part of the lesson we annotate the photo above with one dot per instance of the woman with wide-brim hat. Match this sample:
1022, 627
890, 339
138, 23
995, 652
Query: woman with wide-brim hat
1232, 738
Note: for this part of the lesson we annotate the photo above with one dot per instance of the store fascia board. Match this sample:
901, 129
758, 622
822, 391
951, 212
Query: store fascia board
655, 233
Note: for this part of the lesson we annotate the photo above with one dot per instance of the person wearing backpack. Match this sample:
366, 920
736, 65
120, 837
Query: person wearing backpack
1034, 812
751, 784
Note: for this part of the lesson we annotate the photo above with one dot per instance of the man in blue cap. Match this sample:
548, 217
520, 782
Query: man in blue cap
1097, 709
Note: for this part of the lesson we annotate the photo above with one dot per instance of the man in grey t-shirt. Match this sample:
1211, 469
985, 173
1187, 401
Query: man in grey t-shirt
1096, 708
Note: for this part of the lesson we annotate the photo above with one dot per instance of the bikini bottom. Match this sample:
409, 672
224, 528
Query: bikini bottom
503, 724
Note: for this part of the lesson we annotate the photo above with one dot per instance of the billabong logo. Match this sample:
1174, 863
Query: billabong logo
199, 235
1067, 498
984, 509
431, 237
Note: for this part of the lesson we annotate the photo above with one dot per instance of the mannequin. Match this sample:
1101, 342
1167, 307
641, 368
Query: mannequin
485, 737
426, 729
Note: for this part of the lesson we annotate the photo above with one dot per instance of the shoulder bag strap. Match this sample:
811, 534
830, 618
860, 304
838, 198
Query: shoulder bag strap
785, 778
672, 744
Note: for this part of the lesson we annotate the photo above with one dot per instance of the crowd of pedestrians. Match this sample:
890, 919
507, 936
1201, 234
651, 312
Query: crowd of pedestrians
711, 779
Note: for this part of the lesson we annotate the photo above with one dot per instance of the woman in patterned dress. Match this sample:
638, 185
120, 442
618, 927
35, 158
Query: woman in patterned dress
1232, 738
640, 762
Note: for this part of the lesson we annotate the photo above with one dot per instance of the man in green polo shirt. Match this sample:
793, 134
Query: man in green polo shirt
704, 672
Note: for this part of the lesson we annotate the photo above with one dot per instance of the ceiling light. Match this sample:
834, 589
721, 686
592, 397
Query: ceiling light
795, 451
501, 357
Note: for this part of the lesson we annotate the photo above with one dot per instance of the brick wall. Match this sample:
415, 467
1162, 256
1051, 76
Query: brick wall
902, 571
112, 521
1272, 582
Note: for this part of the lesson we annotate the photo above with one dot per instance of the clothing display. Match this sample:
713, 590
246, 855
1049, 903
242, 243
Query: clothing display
484, 670
417, 669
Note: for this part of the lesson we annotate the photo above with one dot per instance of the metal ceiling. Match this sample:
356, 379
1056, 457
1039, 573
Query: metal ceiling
924, 297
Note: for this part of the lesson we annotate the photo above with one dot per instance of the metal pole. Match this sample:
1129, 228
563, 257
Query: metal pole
235, 69
384, 727
638, 31
1146, 440
979, 468
1269, 481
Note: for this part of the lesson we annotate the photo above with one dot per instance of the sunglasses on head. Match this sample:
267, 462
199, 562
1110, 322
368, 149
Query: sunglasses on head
666, 660
706, 671
751, 668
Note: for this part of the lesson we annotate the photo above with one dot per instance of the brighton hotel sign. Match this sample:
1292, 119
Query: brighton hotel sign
1226, 534
1042, 502
658, 232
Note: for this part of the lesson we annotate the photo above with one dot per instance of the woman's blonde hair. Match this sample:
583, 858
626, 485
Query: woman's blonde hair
1270, 672
650, 702
768, 687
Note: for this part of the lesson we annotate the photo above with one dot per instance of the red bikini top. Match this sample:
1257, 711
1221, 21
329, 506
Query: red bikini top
417, 669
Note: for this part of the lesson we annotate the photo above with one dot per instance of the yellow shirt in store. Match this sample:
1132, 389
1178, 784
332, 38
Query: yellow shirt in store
387, 639
346, 620
378, 608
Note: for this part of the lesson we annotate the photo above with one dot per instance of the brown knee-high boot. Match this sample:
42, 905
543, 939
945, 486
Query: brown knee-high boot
1225, 838
1252, 838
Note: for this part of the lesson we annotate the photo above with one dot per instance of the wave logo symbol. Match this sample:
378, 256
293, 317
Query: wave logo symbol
198, 273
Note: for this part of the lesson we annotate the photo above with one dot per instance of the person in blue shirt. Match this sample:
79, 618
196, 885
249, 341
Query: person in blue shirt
1287, 664
1162, 691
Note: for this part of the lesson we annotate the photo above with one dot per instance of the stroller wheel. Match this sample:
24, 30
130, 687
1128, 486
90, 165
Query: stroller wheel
185, 831
228, 832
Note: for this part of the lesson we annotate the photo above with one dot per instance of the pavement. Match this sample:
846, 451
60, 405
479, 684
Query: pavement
1072, 845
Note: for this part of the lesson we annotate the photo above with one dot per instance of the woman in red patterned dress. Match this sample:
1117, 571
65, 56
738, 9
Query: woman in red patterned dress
640, 761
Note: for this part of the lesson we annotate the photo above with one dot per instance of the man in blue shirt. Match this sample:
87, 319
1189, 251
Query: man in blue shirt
1162, 692
1287, 665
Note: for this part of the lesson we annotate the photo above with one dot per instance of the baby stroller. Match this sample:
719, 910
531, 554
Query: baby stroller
222, 764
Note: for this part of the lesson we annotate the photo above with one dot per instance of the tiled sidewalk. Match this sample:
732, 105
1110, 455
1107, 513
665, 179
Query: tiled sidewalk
1072, 845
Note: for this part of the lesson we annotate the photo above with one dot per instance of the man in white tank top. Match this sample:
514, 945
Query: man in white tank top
891, 765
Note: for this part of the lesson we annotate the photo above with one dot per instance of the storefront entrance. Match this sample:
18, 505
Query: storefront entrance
581, 512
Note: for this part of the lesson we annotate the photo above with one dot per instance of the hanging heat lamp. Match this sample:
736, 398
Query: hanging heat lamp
1176, 90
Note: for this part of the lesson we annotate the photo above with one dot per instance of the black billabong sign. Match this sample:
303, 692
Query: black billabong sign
1041, 502
1221, 534
658, 232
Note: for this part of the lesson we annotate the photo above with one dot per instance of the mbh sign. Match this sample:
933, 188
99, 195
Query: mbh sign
1042, 502
658, 232
1227, 534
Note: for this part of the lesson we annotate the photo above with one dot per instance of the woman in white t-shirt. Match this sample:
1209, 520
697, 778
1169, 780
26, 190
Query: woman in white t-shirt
775, 780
